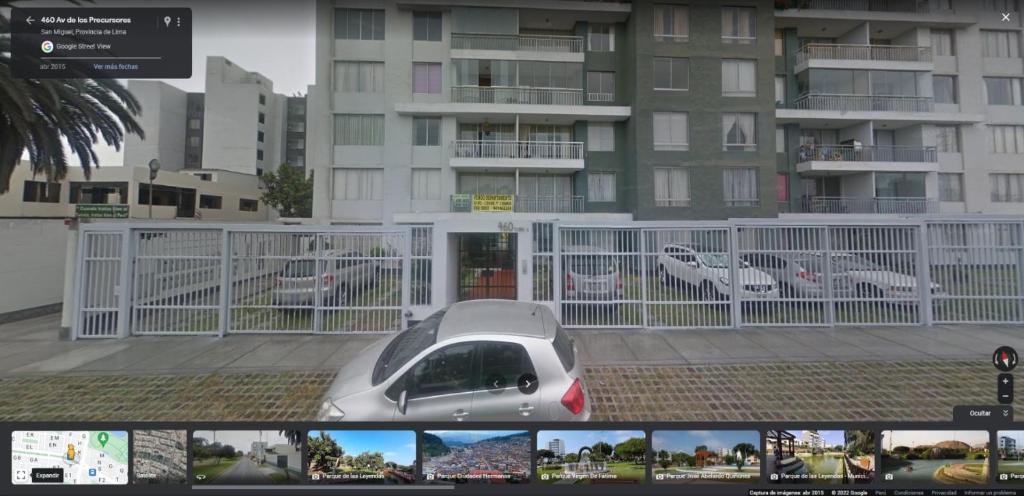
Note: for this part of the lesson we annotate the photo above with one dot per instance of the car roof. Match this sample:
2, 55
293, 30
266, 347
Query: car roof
514, 318
694, 247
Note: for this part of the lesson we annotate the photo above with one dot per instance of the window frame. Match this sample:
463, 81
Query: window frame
429, 121
601, 131
595, 34
674, 9
671, 201
671, 146
672, 65
739, 63
378, 23
744, 147
591, 176
427, 17
727, 190
431, 68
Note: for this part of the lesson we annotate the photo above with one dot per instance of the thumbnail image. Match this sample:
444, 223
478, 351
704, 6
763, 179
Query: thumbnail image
476, 456
69, 457
591, 457
1011, 459
159, 457
246, 457
362, 457
821, 457
941, 457
706, 456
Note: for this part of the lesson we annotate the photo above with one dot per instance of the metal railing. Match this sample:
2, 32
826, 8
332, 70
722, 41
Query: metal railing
861, 153
518, 42
600, 97
885, 53
462, 202
517, 95
853, 205
555, 150
863, 103
918, 6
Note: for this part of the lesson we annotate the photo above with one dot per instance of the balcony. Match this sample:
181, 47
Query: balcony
516, 95
523, 155
517, 43
852, 205
915, 6
859, 158
516, 203
883, 57
863, 103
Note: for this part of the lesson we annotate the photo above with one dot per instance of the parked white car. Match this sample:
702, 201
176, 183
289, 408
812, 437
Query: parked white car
708, 272
871, 280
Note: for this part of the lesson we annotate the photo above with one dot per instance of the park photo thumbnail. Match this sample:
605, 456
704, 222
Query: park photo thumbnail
935, 457
591, 457
476, 456
247, 457
361, 457
1011, 457
821, 456
701, 457
159, 456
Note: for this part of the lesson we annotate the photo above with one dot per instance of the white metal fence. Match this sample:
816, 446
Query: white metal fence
159, 279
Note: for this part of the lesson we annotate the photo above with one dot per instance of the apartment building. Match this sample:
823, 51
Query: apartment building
899, 106
237, 124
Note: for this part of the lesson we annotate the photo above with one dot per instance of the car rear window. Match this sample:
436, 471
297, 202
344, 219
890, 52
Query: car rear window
593, 265
563, 348
299, 268
405, 346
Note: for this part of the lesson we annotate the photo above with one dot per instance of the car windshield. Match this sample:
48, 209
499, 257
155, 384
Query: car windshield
593, 265
299, 268
718, 260
405, 346
853, 262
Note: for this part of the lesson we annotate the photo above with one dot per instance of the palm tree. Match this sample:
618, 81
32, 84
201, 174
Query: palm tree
36, 113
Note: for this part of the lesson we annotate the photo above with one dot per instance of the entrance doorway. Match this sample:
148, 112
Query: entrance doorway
487, 266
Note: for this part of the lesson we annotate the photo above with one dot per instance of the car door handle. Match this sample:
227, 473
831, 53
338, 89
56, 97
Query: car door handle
526, 409
460, 414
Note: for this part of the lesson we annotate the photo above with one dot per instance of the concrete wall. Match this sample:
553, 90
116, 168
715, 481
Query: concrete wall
31, 264
163, 120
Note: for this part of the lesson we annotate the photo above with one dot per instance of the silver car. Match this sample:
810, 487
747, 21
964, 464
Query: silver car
483, 360
341, 274
801, 275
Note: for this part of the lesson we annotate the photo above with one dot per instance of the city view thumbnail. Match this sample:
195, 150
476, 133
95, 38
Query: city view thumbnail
476, 456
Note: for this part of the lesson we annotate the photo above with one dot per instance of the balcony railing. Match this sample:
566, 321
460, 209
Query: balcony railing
557, 150
593, 96
863, 103
850, 205
884, 53
861, 153
518, 203
922, 6
516, 95
518, 42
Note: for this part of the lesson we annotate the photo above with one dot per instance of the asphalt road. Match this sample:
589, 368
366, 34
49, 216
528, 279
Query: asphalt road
245, 471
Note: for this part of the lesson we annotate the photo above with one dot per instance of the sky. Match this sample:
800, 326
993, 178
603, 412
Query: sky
830, 438
686, 441
918, 438
241, 440
574, 440
1015, 435
397, 446
273, 37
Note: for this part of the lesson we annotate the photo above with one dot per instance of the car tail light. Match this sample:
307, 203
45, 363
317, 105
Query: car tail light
328, 279
568, 282
573, 398
618, 282
809, 276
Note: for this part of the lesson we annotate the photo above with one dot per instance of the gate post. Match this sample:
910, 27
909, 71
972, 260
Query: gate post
826, 266
735, 306
924, 275
642, 246
124, 290
225, 282
406, 273
556, 268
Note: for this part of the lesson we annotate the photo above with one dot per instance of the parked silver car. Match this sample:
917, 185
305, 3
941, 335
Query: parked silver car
483, 360
591, 276
341, 272
801, 275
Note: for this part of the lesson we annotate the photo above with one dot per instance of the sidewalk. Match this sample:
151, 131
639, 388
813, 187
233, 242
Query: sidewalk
31, 348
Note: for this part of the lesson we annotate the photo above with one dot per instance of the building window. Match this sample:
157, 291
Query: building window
259, 154
41, 192
951, 187
947, 139
195, 123
780, 139
261, 118
780, 90
1000, 44
671, 187
739, 131
739, 78
263, 99
671, 73
210, 201
781, 187
942, 43
426, 77
359, 130
1007, 188
671, 23
739, 25
358, 184
1004, 90
944, 89
601, 186
600, 137
671, 131
1001, 5
1006, 139
426, 131
426, 184
247, 205
426, 26
600, 86
358, 24
195, 141
780, 42
259, 136
601, 38
740, 187
359, 77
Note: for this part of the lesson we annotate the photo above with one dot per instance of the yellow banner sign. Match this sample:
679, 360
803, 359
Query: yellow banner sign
492, 203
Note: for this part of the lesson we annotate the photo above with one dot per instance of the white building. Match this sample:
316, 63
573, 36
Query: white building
812, 440
557, 446
1007, 446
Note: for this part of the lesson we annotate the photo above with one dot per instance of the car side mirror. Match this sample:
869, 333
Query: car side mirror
691, 263
403, 401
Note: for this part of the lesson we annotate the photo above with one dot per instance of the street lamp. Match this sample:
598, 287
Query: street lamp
154, 167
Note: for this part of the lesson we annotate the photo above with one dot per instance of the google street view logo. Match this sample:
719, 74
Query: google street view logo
47, 46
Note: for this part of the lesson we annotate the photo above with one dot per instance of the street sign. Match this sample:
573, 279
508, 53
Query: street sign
101, 211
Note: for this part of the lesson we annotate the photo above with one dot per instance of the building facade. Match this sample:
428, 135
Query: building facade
1007, 446
557, 446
